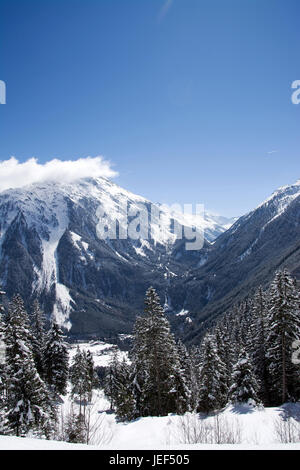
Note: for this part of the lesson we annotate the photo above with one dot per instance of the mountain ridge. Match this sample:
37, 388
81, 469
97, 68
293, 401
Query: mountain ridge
50, 249
247, 255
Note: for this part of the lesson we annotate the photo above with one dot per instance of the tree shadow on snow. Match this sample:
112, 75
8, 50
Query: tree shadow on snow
244, 408
290, 410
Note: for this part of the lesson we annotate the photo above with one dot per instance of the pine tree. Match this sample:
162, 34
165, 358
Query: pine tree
2, 344
111, 380
244, 325
93, 380
124, 398
79, 377
38, 337
2, 329
28, 401
56, 360
258, 345
186, 377
212, 376
4, 422
119, 388
244, 388
155, 361
75, 428
284, 329
194, 363
225, 351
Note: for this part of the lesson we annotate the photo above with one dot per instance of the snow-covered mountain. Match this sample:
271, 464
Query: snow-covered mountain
50, 249
246, 255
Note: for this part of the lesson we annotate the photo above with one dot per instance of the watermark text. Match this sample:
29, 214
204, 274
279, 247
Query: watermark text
2, 92
296, 94
161, 223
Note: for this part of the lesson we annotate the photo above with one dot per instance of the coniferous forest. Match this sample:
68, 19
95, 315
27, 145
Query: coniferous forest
248, 356
35, 374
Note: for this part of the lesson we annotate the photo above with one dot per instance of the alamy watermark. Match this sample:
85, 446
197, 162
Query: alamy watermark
144, 221
2, 92
296, 94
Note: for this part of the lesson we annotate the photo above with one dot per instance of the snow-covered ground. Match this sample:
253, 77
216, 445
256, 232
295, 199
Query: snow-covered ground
249, 428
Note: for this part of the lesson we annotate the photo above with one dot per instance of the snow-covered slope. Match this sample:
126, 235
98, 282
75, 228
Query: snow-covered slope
275, 205
283, 196
46, 209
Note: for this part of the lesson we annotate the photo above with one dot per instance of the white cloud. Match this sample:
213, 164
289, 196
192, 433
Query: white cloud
14, 174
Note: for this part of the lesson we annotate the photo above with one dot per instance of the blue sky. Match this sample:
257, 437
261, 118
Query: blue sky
189, 99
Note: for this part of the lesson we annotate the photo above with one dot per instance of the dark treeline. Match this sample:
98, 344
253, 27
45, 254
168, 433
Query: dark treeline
247, 357
35, 374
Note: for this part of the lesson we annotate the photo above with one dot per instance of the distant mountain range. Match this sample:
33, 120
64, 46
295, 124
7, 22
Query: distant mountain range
50, 249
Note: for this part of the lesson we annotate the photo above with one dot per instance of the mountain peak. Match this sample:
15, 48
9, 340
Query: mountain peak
281, 197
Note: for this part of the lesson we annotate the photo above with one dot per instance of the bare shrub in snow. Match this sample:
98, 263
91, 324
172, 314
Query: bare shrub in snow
70, 427
98, 430
287, 429
191, 429
89, 427
226, 431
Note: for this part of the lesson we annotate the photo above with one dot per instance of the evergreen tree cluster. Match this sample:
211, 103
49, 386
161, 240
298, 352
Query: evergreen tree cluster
245, 358
258, 337
34, 373
82, 375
